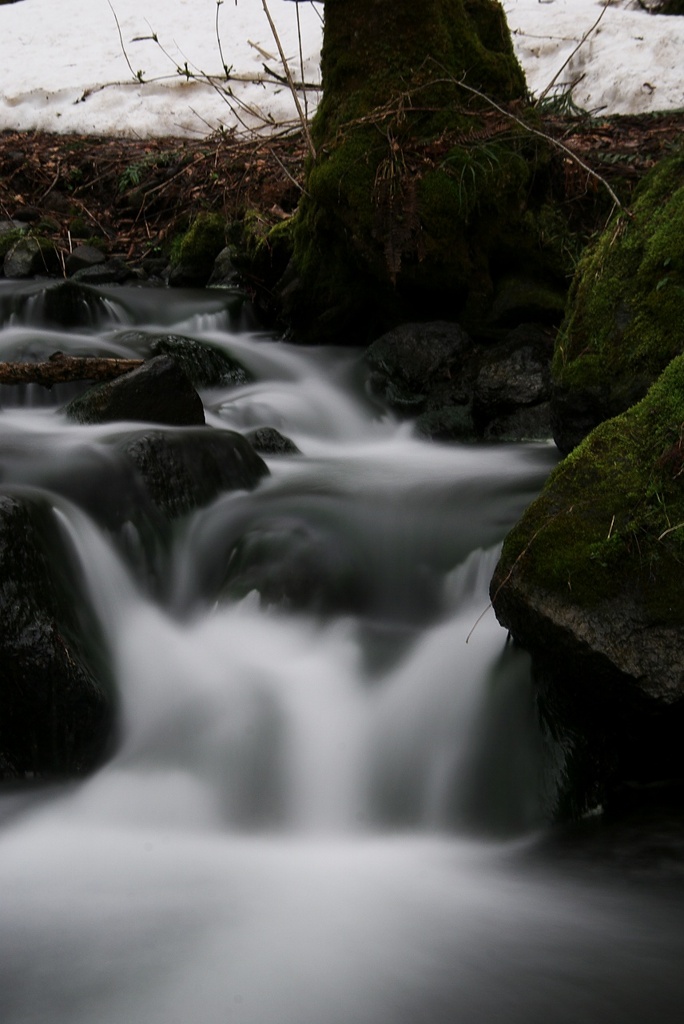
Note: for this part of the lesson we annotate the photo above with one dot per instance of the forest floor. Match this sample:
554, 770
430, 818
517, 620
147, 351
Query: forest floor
134, 195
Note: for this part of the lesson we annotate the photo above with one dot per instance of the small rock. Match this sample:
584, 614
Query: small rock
84, 256
112, 271
224, 274
270, 441
28, 214
8, 226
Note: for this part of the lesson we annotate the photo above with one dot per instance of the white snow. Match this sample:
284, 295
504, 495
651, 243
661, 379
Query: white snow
632, 63
76, 65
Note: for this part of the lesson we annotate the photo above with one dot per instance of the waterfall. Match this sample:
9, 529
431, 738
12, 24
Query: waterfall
324, 802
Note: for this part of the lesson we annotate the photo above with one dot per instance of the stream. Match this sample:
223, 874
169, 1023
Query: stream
329, 799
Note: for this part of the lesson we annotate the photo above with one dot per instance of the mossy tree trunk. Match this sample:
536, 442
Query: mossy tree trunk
375, 51
420, 193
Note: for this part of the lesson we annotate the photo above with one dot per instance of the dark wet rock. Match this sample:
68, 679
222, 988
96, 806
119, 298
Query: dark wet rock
532, 423
83, 256
512, 389
447, 423
270, 441
56, 705
70, 304
515, 373
158, 392
224, 273
156, 267
185, 470
31, 257
294, 563
576, 412
410, 362
671, 7
28, 214
460, 390
204, 365
112, 271
590, 582
426, 371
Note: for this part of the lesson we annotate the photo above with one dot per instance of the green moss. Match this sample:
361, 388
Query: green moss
626, 310
262, 248
197, 249
373, 52
611, 517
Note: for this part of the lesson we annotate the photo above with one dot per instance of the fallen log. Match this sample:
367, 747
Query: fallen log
62, 369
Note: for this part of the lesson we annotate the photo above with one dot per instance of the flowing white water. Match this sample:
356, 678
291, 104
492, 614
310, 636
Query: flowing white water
321, 808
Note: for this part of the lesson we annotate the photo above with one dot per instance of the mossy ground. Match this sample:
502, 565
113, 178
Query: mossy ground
611, 517
626, 310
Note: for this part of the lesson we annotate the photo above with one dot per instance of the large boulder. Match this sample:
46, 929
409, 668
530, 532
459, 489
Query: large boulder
626, 309
590, 581
56, 702
183, 471
157, 392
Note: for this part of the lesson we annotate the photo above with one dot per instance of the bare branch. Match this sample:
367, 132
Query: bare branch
290, 82
62, 369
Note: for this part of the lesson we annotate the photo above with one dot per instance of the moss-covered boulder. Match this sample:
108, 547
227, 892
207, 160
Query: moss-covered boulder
591, 582
625, 317
421, 196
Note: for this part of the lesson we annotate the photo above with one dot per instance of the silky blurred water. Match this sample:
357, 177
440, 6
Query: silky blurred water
329, 799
